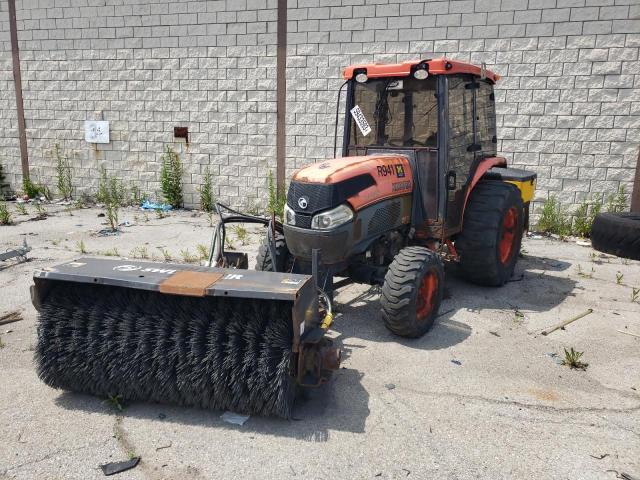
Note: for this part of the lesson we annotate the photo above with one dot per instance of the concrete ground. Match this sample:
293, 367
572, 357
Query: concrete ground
482, 395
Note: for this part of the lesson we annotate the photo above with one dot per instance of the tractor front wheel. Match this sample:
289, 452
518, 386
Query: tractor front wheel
412, 292
284, 260
491, 233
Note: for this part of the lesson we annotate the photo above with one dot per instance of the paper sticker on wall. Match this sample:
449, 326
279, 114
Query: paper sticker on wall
96, 131
361, 121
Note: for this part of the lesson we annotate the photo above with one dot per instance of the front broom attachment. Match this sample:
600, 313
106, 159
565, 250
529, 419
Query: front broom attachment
237, 340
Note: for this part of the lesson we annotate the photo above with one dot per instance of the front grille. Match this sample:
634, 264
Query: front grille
303, 221
318, 196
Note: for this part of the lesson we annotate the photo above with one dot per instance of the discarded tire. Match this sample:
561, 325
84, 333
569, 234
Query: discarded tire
617, 234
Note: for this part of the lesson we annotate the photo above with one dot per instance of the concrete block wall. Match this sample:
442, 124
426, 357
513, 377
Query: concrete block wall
568, 103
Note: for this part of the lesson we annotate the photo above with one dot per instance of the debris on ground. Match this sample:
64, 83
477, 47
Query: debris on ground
234, 418
563, 324
119, 467
147, 205
599, 457
108, 232
623, 475
457, 362
554, 356
11, 317
390, 386
20, 253
628, 333
162, 447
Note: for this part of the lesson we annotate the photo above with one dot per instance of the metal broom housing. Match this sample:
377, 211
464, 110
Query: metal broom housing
136, 331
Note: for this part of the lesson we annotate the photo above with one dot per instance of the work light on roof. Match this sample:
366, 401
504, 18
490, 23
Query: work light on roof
361, 77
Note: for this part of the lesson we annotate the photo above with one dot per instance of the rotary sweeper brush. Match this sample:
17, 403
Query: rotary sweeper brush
227, 339
419, 183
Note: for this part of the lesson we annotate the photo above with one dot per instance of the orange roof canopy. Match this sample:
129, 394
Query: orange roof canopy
438, 66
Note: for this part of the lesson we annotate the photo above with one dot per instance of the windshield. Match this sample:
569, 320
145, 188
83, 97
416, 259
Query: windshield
400, 113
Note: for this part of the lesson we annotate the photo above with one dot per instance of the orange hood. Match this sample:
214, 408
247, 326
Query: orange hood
391, 173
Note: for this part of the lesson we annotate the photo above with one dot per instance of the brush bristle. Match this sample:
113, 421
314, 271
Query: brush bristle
219, 353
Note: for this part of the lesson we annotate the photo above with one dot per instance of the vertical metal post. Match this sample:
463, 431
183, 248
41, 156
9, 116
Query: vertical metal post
17, 81
281, 96
635, 196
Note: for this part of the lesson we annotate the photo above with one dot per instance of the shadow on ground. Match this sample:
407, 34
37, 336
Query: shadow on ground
340, 405
535, 286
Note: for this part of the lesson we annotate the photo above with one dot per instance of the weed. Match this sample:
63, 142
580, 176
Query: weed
160, 214
616, 202
171, 177
146, 217
111, 253
31, 189
115, 402
206, 192
137, 197
21, 208
241, 233
63, 171
69, 210
203, 251
56, 242
140, 252
585, 215
41, 210
2, 344
165, 253
228, 242
276, 201
111, 193
210, 217
5, 214
82, 248
518, 316
187, 257
572, 359
131, 454
583, 274
635, 293
554, 219
619, 277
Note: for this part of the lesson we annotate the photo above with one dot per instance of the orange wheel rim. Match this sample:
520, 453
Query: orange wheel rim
508, 236
426, 295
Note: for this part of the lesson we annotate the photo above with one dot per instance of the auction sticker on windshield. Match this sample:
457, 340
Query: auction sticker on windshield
361, 121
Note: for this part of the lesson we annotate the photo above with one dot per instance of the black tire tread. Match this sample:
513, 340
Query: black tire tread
476, 244
398, 292
617, 234
263, 258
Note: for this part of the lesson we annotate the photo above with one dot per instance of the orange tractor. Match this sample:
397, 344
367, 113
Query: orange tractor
419, 183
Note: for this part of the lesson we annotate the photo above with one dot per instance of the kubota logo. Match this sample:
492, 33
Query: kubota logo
136, 268
127, 268
303, 202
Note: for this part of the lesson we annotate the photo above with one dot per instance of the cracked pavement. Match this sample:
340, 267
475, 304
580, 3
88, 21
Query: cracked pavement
397, 409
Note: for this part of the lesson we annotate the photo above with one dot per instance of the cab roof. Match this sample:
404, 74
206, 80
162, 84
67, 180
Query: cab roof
437, 66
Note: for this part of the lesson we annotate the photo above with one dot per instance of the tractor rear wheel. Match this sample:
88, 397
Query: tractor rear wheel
491, 233
412, 292
283, 257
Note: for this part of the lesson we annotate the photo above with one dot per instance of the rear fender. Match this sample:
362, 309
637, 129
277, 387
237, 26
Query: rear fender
482, 168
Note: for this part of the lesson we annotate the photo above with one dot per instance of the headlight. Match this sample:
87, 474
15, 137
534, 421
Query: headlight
332, 218
289, 216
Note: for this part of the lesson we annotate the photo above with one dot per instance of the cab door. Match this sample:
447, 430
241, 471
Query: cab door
471, 138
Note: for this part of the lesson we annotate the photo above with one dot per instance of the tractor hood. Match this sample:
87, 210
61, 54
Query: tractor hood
358, 181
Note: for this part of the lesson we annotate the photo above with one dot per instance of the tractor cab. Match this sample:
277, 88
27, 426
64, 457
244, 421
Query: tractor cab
439, 113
